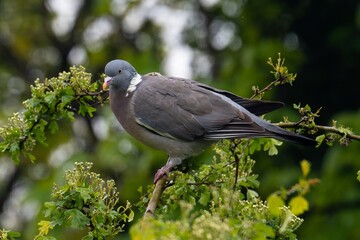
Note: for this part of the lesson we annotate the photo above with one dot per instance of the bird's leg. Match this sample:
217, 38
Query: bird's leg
165, 170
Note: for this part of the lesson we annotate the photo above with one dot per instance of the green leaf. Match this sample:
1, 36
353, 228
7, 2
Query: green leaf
305, 167
12, 234
251, 194
14, 147
131, 216
86, 109
255, 145
319, 139
70, 116
67, 96
66, 99
270, 146
297, 107
76, 219
79, 202
298, 205
53, 126
307, 108
15, 156
90, 111
85, 193
263, 231
204, 198
30, 156
50, 207
275, 202
253, 179
50, 97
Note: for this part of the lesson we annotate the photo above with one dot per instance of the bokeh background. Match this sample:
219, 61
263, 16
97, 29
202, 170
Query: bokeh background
223, 43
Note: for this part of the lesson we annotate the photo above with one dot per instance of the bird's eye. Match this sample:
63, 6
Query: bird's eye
120, 70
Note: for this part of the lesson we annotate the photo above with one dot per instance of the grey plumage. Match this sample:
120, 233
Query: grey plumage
182, 117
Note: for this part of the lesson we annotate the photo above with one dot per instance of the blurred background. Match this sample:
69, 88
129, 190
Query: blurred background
222, 43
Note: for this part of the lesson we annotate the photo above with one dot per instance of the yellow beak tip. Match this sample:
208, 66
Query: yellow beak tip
105, 86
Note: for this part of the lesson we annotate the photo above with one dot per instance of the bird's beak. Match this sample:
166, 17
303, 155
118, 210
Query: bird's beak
105, 85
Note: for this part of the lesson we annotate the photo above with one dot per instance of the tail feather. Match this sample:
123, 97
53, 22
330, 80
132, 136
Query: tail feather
295, 138
284, 135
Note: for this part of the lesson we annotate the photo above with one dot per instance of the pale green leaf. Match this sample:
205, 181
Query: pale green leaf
131, 216
298, 205
319, 139
275, 202
305, 167
204, 198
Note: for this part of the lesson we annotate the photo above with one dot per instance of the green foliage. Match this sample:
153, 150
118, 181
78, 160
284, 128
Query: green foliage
281, 75
325, 52
8, 235
229, 218
294, 196
86, 202
52, 100
331, 134
219, 201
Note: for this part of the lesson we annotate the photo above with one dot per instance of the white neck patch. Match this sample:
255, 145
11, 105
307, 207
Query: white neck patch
133, 84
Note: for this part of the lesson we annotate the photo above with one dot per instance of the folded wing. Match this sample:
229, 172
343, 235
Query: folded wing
184, 110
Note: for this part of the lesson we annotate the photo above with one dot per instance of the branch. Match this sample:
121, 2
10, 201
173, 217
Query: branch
281, 74
332, 129
159, 188
261, 92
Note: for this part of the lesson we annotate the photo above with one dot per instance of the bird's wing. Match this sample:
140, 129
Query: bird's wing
179, 108
257, 107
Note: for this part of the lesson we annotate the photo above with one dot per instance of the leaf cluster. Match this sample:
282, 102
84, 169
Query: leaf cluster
8, 234
218, 201
330, 134
295, 195
281, 75
51, 100
86, 202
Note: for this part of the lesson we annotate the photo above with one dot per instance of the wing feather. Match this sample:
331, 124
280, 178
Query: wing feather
257, 107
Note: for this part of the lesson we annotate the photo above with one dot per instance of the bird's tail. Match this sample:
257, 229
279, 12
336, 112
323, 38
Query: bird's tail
284, 135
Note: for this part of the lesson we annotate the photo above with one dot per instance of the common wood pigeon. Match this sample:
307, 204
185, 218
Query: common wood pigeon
183, 117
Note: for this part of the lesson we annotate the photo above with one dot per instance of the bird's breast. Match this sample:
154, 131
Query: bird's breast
123, 110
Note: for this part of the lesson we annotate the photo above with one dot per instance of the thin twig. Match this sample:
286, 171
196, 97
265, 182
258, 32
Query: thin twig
237, 160
267, 88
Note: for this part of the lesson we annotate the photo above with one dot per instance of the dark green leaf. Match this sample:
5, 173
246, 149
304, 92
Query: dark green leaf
76, 219
12, 234
85, 193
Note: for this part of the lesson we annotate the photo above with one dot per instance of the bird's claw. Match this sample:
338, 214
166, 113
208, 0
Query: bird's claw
164, 171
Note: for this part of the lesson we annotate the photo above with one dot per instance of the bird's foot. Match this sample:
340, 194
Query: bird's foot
164, 171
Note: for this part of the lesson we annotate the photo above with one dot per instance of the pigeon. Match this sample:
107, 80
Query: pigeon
182, 117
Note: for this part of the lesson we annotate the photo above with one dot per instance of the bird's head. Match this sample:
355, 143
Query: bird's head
119, 75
